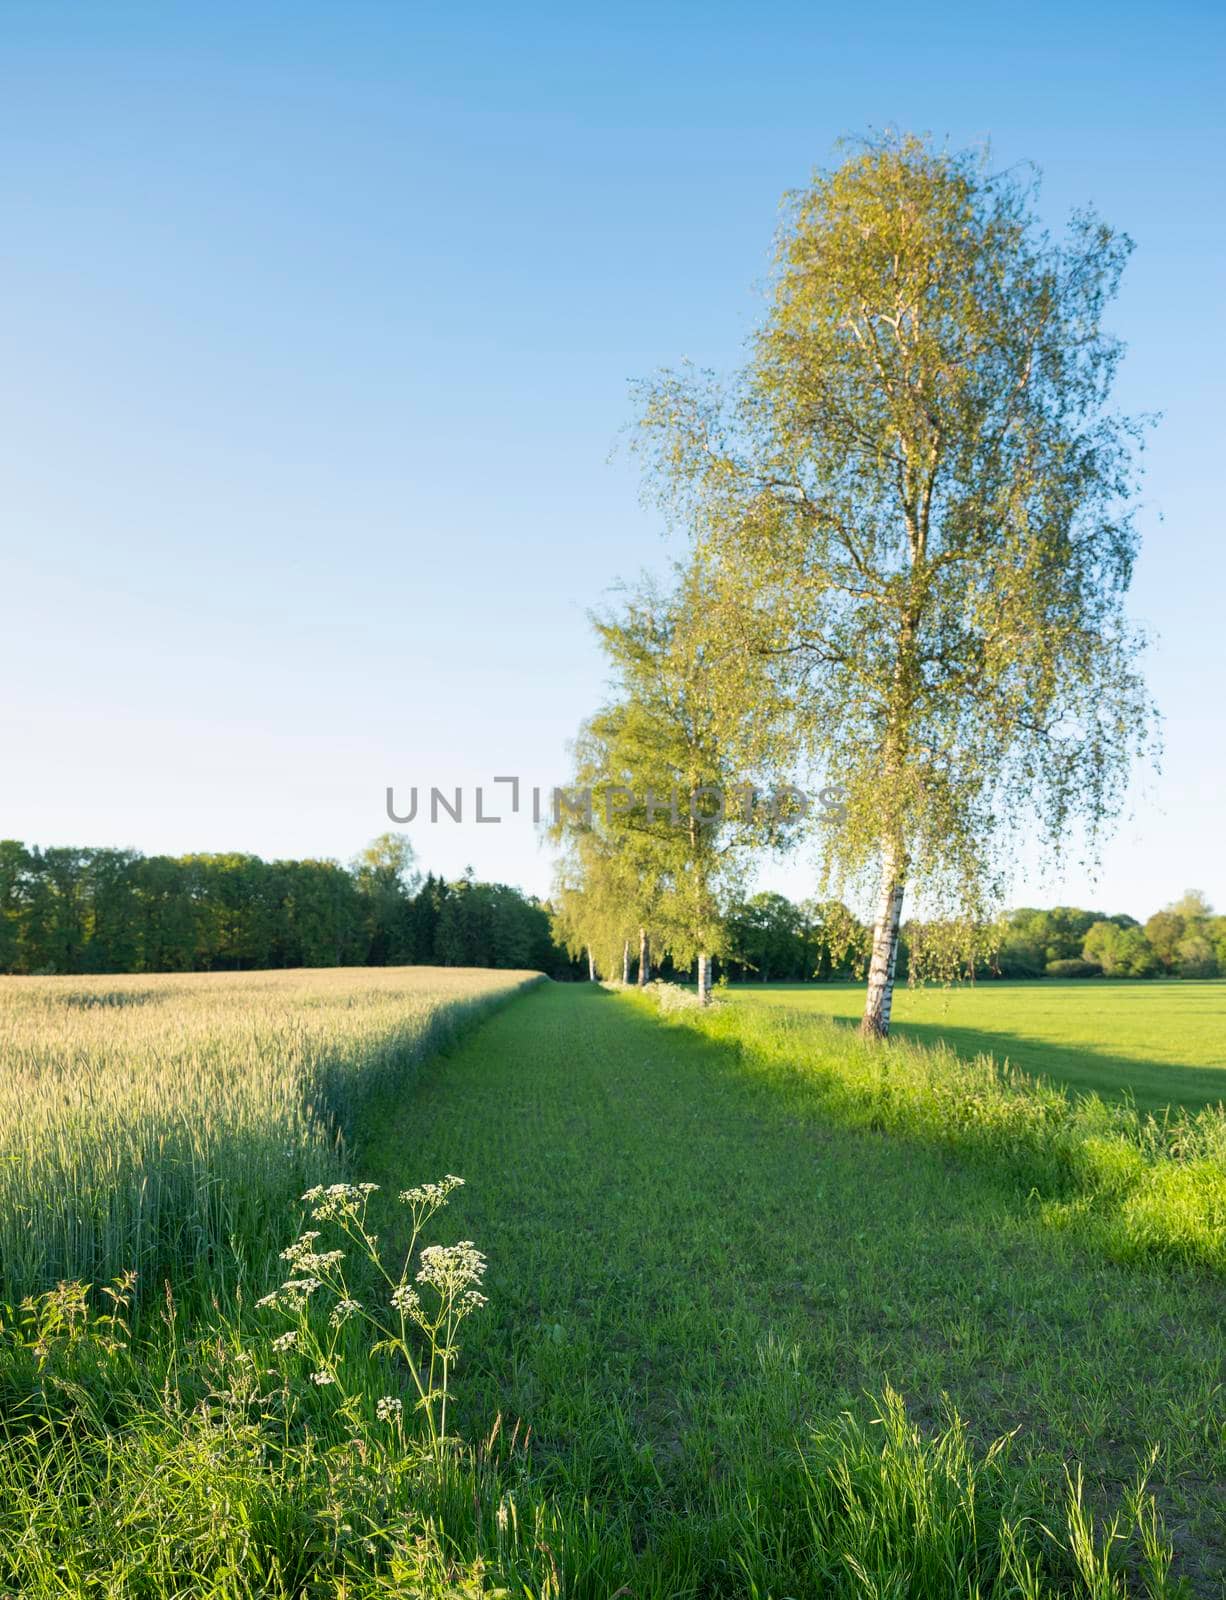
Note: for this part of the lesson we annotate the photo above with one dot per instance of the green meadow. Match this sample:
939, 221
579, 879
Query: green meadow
771, 1313
1161, 1043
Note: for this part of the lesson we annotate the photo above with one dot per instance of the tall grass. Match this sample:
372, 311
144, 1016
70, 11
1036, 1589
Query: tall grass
159, 1123
232, 1482
1141, 1186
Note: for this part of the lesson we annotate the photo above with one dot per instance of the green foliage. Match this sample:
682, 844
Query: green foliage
1164, 931
914, 507
662, 846
1073, 968
1121, 952
767, 937
1196, 957
1017, 956
88, 911
1058, 934
1187, 938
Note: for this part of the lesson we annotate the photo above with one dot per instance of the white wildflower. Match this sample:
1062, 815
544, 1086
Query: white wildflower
388, 1408
431, 1194
342, 1311
322, 1378
285, 1341
304, 1258
301, 1244
294, 1294
405, 1299
338, 1200
450, 1269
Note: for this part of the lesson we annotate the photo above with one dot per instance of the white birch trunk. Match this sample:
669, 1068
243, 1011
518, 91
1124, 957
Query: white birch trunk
704, 980
644, 959
626, 962
591, 965
880, 996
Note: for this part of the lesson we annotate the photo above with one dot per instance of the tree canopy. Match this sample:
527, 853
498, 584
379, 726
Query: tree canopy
914, 504
70, 910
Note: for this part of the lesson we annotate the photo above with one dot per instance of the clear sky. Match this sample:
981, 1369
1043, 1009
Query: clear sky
316, 325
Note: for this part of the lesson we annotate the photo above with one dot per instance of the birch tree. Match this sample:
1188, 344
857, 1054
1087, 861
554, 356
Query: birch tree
672, 814
915, 501
603, 901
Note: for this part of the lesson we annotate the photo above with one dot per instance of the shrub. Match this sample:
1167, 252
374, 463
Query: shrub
1073, 969
1196, 958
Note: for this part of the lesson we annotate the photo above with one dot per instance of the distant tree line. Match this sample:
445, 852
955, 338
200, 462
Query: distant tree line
74, 910
772, 939
1185, 940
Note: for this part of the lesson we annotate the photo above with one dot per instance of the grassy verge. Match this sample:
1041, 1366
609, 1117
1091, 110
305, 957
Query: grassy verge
1137, 1185
727, 1339
1160, 1043
695, 1273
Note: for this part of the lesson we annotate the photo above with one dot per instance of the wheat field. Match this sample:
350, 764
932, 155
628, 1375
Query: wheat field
157, 1124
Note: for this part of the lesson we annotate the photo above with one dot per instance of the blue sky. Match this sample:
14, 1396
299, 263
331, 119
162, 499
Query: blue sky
317, 323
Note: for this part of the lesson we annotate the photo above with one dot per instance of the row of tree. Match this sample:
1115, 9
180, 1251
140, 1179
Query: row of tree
67, 910
1184, 940
910, 529
769, 938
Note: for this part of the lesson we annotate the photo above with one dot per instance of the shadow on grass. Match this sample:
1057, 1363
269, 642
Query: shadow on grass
1152, 1085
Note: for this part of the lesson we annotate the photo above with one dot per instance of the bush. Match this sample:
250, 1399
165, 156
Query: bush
1196, 958
1019, 958
1072, 969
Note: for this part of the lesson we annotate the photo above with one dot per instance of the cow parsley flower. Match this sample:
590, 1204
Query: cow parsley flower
304, 1258
451, 1269
431, 1194
338, 1199
342, 1311
405, 1299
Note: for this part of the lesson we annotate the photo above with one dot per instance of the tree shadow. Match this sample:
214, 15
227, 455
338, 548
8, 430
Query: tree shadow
1153, 1085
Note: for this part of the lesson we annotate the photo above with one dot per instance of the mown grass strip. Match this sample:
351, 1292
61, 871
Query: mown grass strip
692, 1265
1137, 1185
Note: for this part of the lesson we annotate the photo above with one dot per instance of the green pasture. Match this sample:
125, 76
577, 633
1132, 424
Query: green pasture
1163, 1043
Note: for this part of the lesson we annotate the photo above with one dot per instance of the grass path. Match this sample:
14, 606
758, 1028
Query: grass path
687, 1266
